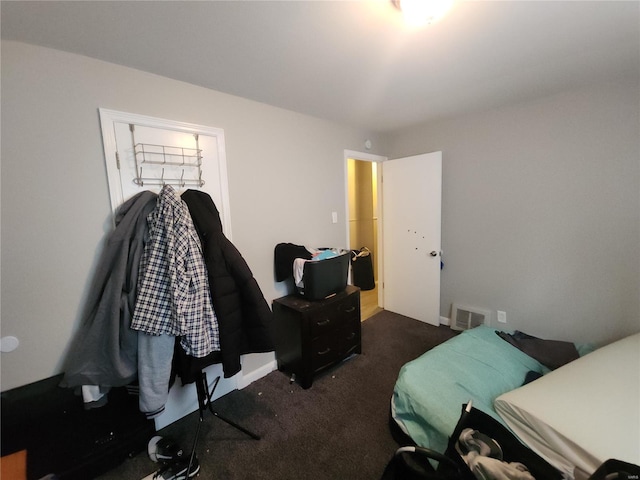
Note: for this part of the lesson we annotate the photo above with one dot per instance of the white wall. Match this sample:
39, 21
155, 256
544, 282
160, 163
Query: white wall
285, 178
541, 212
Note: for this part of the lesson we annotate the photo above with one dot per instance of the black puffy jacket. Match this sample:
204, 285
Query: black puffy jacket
244, 317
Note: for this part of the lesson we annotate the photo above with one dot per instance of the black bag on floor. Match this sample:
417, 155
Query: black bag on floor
362, 269
616, 469
492, 438
413, 463
506, 448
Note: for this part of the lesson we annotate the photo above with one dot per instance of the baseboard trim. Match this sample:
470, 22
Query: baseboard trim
183, 400
445, 321
257, 374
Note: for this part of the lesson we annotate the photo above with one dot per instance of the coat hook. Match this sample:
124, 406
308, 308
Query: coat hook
162, 177
182, 179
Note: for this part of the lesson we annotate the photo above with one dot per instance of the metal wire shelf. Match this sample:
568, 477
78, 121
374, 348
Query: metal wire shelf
177, 159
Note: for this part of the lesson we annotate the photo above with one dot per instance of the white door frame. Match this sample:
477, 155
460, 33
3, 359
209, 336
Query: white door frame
368, 157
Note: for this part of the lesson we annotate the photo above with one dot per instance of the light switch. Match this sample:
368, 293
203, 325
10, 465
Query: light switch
334, 217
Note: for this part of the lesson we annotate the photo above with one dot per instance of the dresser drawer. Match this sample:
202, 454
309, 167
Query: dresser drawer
328, 349
314, 335
334, 316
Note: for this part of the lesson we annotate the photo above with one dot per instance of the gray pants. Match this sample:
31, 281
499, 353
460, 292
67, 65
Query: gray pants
155, 354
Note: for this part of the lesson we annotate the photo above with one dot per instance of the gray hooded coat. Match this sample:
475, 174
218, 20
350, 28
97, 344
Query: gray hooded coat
104, 350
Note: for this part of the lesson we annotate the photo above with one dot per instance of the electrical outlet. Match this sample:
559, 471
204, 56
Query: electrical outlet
502, 316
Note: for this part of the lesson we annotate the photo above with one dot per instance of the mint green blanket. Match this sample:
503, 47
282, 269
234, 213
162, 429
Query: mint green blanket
476, 365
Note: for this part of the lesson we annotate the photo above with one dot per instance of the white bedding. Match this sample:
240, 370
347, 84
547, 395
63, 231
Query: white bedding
583, 413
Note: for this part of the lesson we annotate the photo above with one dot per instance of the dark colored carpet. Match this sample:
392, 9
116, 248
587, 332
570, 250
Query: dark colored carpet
336, 430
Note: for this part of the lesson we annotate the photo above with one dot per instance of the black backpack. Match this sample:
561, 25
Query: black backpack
417, 463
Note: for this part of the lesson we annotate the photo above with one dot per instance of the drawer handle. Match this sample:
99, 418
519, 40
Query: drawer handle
323, 322
351, 336
324, 352
351, 309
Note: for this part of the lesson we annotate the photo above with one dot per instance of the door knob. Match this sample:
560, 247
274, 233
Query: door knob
434, 253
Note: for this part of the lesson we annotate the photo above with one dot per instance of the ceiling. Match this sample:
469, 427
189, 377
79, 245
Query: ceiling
349, 62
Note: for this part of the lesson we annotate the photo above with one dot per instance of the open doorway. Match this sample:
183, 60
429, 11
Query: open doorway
364, 227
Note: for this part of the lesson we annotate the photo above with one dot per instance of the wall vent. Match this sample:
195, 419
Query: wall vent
464, 318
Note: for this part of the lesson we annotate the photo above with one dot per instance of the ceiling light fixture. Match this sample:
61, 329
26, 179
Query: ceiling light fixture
422, 12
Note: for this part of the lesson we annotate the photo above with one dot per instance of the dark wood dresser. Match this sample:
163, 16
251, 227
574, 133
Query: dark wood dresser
314, 335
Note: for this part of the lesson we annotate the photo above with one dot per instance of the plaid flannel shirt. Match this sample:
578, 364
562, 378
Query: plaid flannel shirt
173, 287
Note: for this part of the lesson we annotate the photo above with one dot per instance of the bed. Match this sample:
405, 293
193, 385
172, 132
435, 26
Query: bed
480, 366
583, 413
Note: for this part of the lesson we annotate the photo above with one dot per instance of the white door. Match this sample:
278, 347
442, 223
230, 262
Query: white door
143, 153
411, 218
